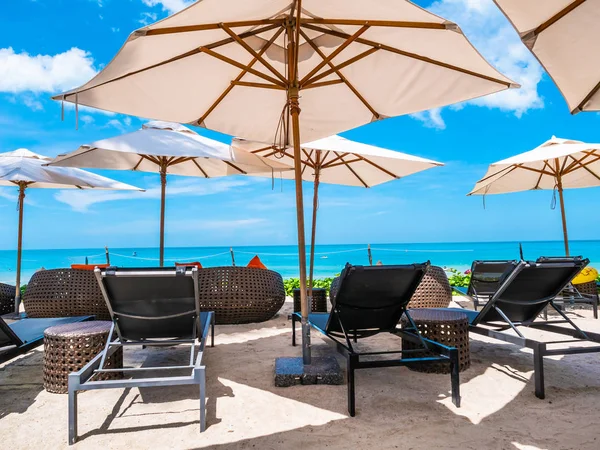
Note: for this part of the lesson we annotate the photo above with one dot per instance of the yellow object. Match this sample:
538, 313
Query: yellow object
587, 275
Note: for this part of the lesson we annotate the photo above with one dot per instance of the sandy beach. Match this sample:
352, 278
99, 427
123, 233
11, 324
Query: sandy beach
396, 407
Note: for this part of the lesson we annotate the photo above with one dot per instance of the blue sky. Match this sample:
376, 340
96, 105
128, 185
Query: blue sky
47, 46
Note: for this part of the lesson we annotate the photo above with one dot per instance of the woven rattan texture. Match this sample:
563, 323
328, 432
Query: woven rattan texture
446, 327
319, 300
7, 298
67, 348
434, 291
240, 294
64, 293
587, 288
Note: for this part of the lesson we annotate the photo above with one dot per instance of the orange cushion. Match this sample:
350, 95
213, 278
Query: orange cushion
257, 263
190, 264
88, 266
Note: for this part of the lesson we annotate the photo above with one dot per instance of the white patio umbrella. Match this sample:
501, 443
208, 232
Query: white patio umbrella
26, 169
166, 147
556, 164
337, 160
564, 36
245, 68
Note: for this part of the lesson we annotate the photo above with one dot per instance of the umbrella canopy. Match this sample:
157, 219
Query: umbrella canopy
564, 36
556, 164
26, 169
248, 68
337, 160
166, 147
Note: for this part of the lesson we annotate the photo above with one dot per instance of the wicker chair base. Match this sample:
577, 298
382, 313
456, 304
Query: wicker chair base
446, 327
434, 291
319, 300
7, 299
64, 293
68, 348
240, 294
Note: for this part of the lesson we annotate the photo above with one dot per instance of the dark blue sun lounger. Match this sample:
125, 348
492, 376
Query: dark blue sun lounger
149, 307
371, 300
20, 335
524, 292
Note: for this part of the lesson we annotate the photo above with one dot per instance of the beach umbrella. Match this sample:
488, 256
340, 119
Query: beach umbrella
557, 164
563, 36
167, 148
25, 169
337, 160
246, 68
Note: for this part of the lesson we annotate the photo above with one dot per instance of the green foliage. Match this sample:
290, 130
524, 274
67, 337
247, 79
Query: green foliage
458, 279
290, 284
23, 287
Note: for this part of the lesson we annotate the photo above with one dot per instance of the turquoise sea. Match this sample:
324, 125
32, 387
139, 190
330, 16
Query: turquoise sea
329, 259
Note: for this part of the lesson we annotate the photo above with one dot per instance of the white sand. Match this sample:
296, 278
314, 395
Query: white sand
396, 407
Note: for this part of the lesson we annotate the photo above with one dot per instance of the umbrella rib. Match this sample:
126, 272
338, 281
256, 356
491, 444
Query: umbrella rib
377, 23
224, 94
352, 170
138, 163
552, 20
250, 50
334, 53
324, 83
377, 166
168, 61
200, 168
339, 74
309, 156
209, 26
339, 66
408, 54
586, 99
257, 85
357, 159
537, 184
586, 168
236, 168
239, 65
571, 166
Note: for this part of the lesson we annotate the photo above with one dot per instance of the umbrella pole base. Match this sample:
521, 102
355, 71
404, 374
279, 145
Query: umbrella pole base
322, 370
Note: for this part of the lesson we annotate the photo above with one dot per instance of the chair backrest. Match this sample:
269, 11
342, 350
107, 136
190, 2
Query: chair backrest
529, 288
486, 276
151, 303
371, 299
7, 336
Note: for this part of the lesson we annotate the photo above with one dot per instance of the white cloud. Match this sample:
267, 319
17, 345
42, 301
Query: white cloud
431, 119
147, 18
22, 72
171, 6
122, 126
491, 33
81, 200
115, 29
87, 119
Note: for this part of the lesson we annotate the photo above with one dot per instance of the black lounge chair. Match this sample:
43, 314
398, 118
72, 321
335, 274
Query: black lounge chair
19, 334
148, 307
371, 300
524, 292
485, 280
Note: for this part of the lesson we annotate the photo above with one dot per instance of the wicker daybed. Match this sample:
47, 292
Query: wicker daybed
64, 293
7, 298
434, 291
240, 294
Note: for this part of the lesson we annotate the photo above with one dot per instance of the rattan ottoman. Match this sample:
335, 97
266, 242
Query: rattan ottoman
450, 328
69, 347
319, 300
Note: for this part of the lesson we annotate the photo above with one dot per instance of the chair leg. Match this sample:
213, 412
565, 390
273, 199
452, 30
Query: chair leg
538, 370
595, 307
351, 394
212, 332
293, 330
202, 386
455, 377
72, 415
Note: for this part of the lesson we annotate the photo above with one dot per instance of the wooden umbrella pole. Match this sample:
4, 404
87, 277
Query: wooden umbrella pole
294, 109
163, 187
562, 212
22, 187
314, 226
